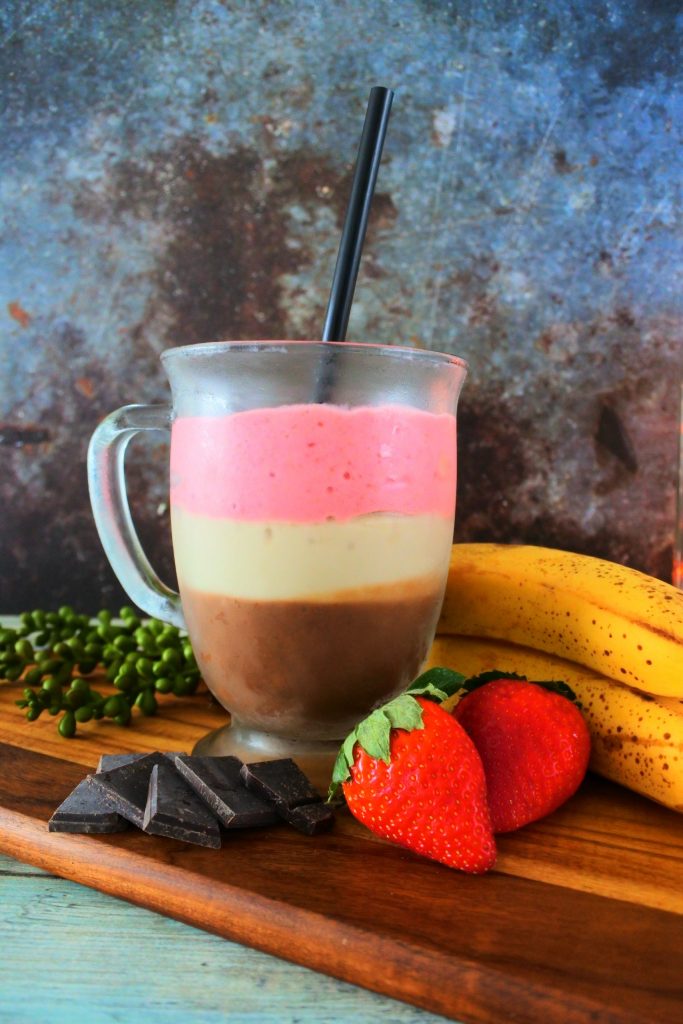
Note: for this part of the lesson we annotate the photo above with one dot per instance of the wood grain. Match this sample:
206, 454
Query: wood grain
581, 920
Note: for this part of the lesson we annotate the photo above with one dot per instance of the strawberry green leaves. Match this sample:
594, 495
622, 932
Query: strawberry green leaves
552, 685
373, 734
437, 684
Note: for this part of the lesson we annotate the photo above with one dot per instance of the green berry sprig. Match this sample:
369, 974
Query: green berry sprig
52, 652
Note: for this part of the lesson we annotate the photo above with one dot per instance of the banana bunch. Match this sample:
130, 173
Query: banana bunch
614, 635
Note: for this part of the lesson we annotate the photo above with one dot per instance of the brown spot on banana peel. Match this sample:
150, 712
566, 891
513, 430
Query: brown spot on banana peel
486, 596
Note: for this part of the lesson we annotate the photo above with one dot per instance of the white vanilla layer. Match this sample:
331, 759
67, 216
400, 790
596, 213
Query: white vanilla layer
281, 561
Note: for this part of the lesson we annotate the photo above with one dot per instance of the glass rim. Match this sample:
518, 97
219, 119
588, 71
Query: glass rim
208, 348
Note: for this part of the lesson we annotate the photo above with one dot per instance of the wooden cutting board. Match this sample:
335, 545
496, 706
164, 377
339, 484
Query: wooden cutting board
581, 920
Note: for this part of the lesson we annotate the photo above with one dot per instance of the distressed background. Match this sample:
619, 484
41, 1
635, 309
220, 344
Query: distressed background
176, 172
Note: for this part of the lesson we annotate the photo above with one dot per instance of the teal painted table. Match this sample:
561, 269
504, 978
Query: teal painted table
71, 955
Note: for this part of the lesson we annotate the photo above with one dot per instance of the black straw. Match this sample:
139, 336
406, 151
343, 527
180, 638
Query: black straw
358, 210
353, 235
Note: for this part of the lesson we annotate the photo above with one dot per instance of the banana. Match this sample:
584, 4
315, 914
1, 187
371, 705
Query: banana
636, 739
612, 619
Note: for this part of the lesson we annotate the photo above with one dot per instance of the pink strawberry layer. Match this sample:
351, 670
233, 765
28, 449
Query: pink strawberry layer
310, 463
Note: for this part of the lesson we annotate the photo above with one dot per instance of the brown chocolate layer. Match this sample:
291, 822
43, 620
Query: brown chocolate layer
311, 669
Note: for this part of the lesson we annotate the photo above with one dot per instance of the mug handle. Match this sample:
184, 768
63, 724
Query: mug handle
107, 485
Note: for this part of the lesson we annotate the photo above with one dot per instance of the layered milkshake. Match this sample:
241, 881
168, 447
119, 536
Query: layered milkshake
312, 544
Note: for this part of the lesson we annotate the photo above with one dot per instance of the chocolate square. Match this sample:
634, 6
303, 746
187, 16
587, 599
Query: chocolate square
87, 810
311, 819
217, 781
174, 810
281, 781
291, 793
127, 786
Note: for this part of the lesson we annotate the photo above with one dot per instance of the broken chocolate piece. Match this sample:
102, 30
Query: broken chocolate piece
174, 810
217, 781
86, 810
312, 819
289, 790
127, 786
282, 782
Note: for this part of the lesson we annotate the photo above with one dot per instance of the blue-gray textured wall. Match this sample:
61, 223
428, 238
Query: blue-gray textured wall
175, 172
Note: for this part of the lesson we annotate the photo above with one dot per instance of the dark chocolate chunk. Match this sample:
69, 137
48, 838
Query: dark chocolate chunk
87, 810
174, 810
311, 819
217, 781
282, 782
290, 791
127, 786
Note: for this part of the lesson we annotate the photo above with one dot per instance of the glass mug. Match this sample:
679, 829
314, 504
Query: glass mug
312, 497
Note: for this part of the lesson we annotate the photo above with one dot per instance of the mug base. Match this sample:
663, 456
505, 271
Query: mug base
315, 757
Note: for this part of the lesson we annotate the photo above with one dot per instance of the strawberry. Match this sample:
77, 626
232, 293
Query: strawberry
533, 741
410, 773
